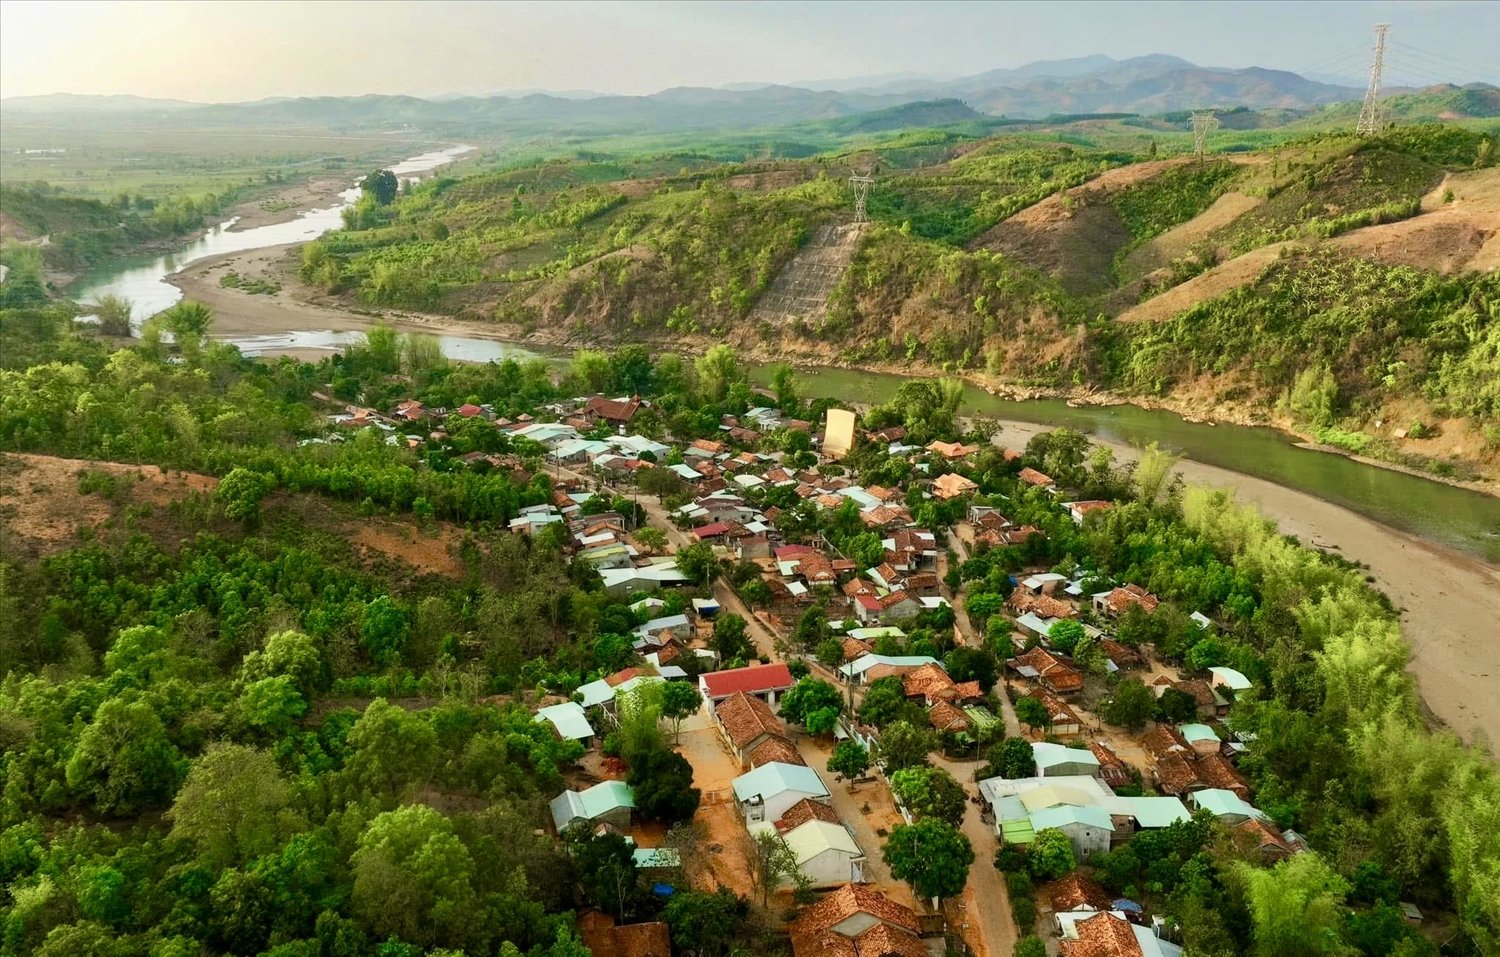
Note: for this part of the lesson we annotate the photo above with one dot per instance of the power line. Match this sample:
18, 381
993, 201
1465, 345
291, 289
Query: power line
1370, 119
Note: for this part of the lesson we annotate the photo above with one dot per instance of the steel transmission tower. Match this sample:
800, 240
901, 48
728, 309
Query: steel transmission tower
1204, 123
1370, 115
861, 186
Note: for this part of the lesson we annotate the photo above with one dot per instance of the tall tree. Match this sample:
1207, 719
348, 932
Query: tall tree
124, 762
382, 185
233, 804
413, 879
930, 793
932, 856
850, 760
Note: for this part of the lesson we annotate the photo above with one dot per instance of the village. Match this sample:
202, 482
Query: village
844, 694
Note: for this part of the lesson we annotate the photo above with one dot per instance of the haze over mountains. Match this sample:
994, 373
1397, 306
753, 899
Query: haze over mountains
1152, 84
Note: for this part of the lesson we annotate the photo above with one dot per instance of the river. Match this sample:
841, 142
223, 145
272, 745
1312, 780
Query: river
1445, 514
145, 284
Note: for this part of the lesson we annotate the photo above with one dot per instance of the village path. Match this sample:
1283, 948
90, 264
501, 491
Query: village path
865, 825
985, 922
974, 638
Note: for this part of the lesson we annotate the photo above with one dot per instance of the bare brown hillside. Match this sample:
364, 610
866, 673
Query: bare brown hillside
1445, 237
800, 291
1073, 236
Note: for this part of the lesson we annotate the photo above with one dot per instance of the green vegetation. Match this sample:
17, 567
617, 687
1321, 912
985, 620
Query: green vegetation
256, 286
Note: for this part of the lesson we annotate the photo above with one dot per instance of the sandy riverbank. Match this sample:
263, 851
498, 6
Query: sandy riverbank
1449, 602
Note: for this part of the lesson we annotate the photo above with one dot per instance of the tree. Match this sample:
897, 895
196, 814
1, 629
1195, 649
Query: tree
1131, 706
188, 323
697, 562
413, 878
1032, 945
114, 316
813, 703
1296, 908
930, 793
1032, 713
232, 805
812, 630
772, 861
1050, 855
1176, 706
932, 856
965, 663
830, 652
591, 370
383, 629
241, 491
270, 706
289, 654
382, 186
392, 747
652, 539
784, 385
1065, 635
124, 762
679, 701
885, 701
850, 760
756, 593
662, 781
703, 923
718, 369
1012, 758
730, 639
904, 745
606, 868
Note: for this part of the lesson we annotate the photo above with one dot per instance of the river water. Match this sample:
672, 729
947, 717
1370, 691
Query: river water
145, 284
1457, 517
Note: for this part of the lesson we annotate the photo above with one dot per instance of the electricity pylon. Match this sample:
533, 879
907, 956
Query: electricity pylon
861, 186
1204, 122
1370, 115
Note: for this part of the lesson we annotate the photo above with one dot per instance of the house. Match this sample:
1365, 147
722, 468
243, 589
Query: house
1090, 829
773, 749
1266, 841
825, 851
1120, 655
624, 581
1226, 805
767, 792
1048, 669
1228, 678
1043, 583
1036, 479
604, 938
1055, 759
929, 683
952, 485
1112, 768
1077, 805
613, 411
1208, 701
745, 722
946, 716
760, 681
608, 802
912, 550
1110, 935
1063, 720
1116, 602
1076, 892
894, 606
872, 667
569, 721
1081, 510
857, 921
1216, 771
1200, 737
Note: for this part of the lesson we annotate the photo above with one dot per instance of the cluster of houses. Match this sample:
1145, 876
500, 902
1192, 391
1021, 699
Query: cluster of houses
778, 793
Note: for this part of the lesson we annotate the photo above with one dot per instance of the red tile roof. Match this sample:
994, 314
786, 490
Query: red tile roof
896, 933
1078, 892
756, 678
806, 810
929, 681
1051, 669
946, 716
712, 530
746, 718
615, 410
774, 750
1103, 935
1032, 477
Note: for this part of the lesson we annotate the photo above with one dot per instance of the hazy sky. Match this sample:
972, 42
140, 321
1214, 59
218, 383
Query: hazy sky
246, 50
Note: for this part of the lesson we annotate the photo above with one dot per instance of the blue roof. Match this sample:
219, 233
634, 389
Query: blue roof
778, 777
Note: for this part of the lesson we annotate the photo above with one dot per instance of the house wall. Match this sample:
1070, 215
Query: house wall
774, 806
1087, 840
1070, 767
829, 868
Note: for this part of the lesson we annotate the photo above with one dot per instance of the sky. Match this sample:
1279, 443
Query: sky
233, 51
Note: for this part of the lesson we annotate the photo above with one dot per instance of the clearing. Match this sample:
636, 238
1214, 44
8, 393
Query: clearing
801, 290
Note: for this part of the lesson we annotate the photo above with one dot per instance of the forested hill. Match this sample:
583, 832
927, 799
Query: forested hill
1031, 260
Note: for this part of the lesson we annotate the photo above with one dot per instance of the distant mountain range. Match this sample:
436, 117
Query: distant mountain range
1152, 84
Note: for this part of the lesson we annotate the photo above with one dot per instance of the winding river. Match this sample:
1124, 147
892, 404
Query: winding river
1445, 514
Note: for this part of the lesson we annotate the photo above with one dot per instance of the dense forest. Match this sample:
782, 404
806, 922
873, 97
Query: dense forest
226, 730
